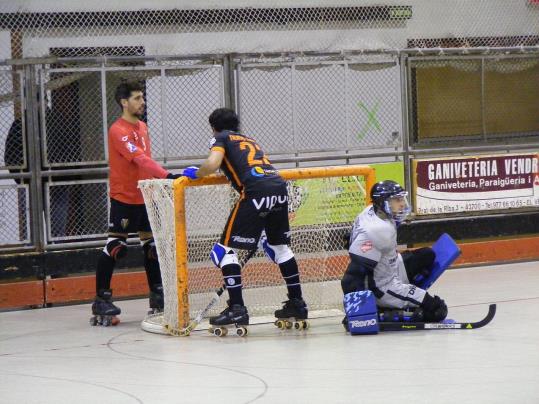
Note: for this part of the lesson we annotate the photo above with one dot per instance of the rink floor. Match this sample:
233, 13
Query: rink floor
53, 355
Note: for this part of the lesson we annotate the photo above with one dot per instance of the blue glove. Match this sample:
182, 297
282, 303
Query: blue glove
190, 172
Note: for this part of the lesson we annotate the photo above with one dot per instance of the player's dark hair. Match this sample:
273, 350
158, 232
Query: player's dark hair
224, 119
124, 90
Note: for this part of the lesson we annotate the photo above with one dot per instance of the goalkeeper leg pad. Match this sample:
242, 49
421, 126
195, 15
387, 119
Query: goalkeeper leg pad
222, 255
361, 312
447, 252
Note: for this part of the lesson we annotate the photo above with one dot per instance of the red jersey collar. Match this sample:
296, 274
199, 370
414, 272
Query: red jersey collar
133, 125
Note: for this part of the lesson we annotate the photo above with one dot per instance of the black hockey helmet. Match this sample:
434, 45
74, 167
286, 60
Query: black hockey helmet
382, 192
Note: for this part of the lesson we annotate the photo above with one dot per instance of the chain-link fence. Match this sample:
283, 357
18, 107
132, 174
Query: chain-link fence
71, 117
76, 210
321, 105
79, 106
14, 220
300, 108
14, 190
481, 99
204, 27
12, 128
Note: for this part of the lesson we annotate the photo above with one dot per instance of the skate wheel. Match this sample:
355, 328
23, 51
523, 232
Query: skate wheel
107, 321
93, 321
301, 325
211, 330
288, 325
280, 324
115, 321
241, 331
220, 332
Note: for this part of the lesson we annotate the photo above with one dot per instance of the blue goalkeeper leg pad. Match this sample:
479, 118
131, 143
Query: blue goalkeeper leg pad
361, 312
447, 252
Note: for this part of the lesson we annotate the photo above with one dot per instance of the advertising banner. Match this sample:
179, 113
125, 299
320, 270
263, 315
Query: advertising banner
466, 184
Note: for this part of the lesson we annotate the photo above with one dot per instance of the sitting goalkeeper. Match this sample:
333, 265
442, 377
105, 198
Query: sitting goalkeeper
375, 263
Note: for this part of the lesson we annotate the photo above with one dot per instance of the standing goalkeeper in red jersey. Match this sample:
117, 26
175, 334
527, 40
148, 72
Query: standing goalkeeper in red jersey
129, 161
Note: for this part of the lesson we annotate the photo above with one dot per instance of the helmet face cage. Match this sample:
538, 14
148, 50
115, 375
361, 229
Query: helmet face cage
400, 215
382, 194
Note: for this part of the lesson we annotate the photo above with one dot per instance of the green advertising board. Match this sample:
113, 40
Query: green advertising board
335, 200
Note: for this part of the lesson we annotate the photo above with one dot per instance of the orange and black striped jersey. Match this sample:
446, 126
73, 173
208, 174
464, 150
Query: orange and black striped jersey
245, 164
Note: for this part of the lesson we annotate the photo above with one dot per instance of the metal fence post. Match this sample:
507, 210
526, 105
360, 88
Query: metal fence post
229, 82
34, 155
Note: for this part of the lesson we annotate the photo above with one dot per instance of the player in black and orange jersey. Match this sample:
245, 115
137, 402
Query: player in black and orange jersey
262, 206
130, 160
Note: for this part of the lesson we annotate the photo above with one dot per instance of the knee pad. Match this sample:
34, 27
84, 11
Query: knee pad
116, 248
222, 255
149, 248
278, 253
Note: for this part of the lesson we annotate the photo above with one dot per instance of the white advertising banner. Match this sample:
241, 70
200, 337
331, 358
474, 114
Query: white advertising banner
465, 184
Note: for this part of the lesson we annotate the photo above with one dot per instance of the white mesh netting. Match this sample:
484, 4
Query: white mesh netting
116, 28
321, 212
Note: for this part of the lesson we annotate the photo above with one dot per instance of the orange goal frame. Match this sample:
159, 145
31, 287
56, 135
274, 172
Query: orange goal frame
182, 183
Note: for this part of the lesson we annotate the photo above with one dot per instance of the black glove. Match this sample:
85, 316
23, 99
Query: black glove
434, 308
171, 176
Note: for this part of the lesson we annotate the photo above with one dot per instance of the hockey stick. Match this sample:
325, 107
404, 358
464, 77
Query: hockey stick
413, 326
184, 332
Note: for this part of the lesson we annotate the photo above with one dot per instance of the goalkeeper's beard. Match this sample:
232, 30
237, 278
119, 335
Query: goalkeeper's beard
138, 113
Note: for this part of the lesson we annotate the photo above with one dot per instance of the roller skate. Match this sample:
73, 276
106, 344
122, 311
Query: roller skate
157, 300
293, 314
235, 314
103, 310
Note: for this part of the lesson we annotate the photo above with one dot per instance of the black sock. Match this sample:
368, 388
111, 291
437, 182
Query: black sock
290, 273
103, 275
153, 272
232, 278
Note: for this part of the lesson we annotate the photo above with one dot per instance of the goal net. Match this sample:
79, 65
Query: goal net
187, 218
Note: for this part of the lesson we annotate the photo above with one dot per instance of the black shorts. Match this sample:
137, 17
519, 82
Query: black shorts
251, 215
126, 218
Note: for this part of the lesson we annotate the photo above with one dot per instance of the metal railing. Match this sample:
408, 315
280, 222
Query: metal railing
303, 109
